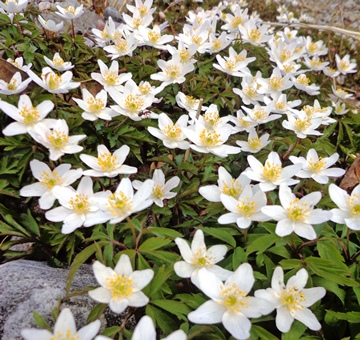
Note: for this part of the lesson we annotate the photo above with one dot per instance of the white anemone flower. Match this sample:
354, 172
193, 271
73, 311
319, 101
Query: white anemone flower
242, 122
297, 215
57, 140
279, 102
227, 185
142, 7
52, 82
61, 176
109, 77
254, 33
65, 328
19, 63
161, 190
108, 164
78, 208
245, 209
131, 102
122, 203
27, 116
292, 300
211, 141
229, 302
316, 167
124, 45
172, 71
276, 82
254, 143
58, 63
344, 65
189, 103
302, 124
197, 256
316, 48
15, 85
145, 330
171, 133
272, 173
152, 37
70, 12
121, 287
303, 83
260, 114
50, 25
14, 6
348, 211
94, 107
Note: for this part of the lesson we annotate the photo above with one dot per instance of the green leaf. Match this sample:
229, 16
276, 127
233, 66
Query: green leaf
205, 332
40, 321
330, 287
181, 310
153, 243
96, 312
166, 323
29, 221
221, 234
239, 256
296, 331
261, 244
164, 232
328, 251
258, 332
192, 300
352, 317
160, 277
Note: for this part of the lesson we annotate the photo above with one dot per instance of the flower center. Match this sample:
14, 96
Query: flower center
173, 71
107, 161
184, 55
302, 79
284, 55
276, 83
50, 179
246, 208
121, 45
134, 103
260, 114
29, 115
191, 101
236, 21
67, 335
233, 298
80, 204
172, 131
239, 58
136, 22
12, 86
316, 167
70, 9
53, 81
297, 212
254, 35
153, 37
58, 61
354, 204
230, 64
120, 286
158, 191
216, 44
279, 105
250, 91
209, 138
119, 204
313, 48
58, 139
292, 299
302, 124
233, 190
200, 260
111, 77
142, 10
254, 143
272, 171
212, 118
145, 89
197, 40
95, 105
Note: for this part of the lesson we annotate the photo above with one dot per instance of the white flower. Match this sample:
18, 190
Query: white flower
315, 64
292, 301
78, 208
254, 143
245, 209
142, 7
70, 12
61, 176
227, 185
27, 116
344, 65
254, 34
58, 63
316, 48
296, 215
349, 206
122, 203
302, 82
302, 124
109, 77
152, 37
339, 108
14, 6
94, 107
339, 93
173, 71
121, 287
15, 85
171, 134
197, 257
189, 103
276, 82
130, 102
52, 82
50, 25
145, 330
260, 114
242, 122
331, 72
229, 302
233, 21
123, 45
211, 141
216, 43
65, 328
272, 173
279, 102
107, 164
58, 140
106, 35
317, 168
161, 190
19, 63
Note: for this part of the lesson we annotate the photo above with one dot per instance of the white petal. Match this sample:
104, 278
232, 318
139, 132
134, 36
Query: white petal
89, 331
237, 324
183, 269
313, 294
102, 273
123, 267
65, 321
185, 250
144, 330
141, 278
283, 320
208, 313
307, 317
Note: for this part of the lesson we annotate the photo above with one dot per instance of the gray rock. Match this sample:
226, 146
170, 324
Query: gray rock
113, 13
29, 285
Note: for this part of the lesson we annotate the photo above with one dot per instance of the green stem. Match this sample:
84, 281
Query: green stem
132, 226
291, 149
